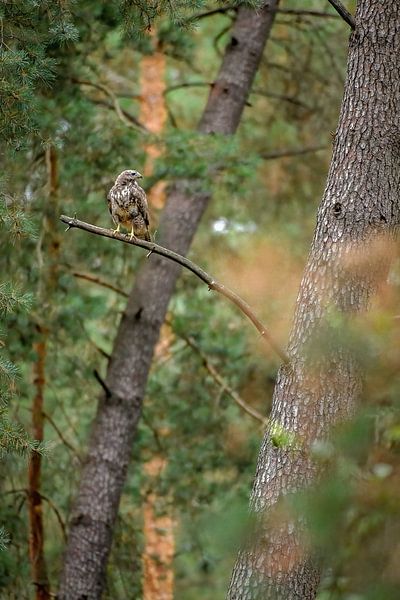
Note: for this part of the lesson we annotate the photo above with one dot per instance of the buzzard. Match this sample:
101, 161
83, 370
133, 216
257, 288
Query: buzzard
127, 204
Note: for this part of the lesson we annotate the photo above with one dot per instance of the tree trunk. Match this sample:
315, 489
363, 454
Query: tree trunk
153, 113
350, 256
158, 529
158, 540
35, 505
48, 281
103, 477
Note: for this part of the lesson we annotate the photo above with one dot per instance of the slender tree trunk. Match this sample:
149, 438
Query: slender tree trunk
158, 529
159, 541
153, 113
350, 256
35, 505
103, 477
47, 284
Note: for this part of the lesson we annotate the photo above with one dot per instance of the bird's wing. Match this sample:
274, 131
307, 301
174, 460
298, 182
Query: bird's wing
109, 200
141, 201
120, 199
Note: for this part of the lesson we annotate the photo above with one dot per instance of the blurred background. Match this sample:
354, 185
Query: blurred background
89, 91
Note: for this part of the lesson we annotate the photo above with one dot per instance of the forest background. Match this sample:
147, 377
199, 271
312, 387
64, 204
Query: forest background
78, 83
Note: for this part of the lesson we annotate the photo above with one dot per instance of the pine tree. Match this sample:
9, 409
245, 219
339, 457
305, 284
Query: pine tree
349, 261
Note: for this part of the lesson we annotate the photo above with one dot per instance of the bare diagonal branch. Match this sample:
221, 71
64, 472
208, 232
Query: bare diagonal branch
223, 383
212, 283
343, 12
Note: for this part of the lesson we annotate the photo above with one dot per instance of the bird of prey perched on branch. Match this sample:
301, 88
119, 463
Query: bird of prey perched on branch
127, 204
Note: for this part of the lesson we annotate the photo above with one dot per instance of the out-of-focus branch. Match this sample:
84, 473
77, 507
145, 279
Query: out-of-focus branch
61, 436
210, 13
186, 84
283, 97
101, 282
126, 118
212, 283
296, 12
274, 96
111, 106
59, 519
304, 12
343, 12
291, 152
222, 382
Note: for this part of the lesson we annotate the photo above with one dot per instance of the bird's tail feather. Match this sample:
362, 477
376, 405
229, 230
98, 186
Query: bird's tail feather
147, 236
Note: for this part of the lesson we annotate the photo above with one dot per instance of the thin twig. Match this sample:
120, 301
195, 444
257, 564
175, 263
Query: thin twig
25, 491
285, 11
343, 12
186, 84
129, 121
211, 13
102, 383
58, 515
61, 436
223, 383
304, 12
291, 152
98, 349
274, 96
283, 97
184, 262
127, 114
101, 282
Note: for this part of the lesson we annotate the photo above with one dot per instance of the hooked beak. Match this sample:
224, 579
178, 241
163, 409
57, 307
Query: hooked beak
140, 176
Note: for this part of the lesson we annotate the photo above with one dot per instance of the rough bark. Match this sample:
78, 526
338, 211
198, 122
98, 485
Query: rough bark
350, 256
96, 506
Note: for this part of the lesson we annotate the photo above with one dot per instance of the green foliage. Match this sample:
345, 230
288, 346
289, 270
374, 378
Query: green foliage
189, 155
24, 67
11, 299
13, 438
141, 15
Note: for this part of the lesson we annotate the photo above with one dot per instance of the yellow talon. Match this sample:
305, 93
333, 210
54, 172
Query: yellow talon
117, 230
132, 235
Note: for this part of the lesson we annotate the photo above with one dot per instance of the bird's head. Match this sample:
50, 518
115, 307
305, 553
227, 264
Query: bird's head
127, 176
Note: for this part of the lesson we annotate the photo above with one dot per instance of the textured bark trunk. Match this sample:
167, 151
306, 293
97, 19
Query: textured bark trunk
350, 255
103, 477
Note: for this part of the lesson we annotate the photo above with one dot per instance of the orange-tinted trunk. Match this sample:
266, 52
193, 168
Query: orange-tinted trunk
36, 534
159, 543
48, 284
153, 114
158, 529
